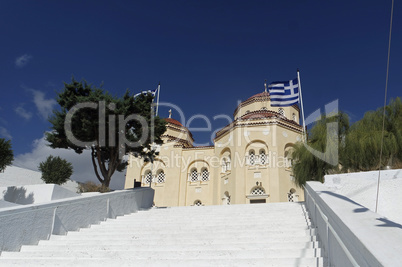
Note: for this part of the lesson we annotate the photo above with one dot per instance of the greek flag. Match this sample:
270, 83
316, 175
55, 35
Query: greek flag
283, 94
146, 92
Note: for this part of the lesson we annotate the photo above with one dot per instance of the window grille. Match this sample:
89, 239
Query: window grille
161, 177
194, 176
258, 191
197, 203
148, 177
263, 158
205, 175
252, 158
281, 111
294, 117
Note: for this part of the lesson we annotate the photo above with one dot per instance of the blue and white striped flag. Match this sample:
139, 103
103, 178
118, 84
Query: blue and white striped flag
146, 92
283, 94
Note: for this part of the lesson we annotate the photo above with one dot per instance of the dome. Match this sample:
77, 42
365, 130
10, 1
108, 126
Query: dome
259, 114
260, 95
173, 121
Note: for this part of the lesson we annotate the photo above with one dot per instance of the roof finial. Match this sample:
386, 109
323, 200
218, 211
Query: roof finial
265, 85
170, 113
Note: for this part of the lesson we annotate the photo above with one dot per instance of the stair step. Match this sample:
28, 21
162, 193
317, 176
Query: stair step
173, 247
172, 241
94, 262
185, 229
184, 235
200, 254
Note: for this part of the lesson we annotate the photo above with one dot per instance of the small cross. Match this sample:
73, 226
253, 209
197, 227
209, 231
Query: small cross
170, 113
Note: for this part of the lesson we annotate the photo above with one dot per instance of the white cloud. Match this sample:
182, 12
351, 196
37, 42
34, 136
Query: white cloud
22, 60
22, 112
44, 106
5, 133
82, 164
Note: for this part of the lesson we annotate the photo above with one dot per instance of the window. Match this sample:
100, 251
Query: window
251, 157
160, 177
224, 168
281, 111
194, 175
204, 175
148, 177
294, 117
263, 157
292, 196
264, 108
197, 203
225, 164
258, 191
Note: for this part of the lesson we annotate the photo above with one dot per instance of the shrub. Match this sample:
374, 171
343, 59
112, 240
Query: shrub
55, 170
92, 187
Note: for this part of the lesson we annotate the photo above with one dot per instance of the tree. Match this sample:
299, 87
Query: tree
6, 154
110, 127
308, 167
55, 170
363, 143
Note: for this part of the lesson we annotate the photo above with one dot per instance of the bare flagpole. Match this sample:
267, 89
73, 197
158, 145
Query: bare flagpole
302, 109
157, 99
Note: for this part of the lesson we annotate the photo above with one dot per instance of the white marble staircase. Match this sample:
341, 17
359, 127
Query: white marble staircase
276, 234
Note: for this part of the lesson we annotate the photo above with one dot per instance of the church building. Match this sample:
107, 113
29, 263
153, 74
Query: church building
248, 163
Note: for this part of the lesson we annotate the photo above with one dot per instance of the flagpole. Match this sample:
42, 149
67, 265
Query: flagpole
157, 99
301, 104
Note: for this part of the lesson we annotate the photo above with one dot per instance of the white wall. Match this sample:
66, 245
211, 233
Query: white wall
16, 176
362, 188
26, 225
349, 232
34, 194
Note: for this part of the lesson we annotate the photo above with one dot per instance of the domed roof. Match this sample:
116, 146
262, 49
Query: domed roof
259, 114
173, 121
260, 95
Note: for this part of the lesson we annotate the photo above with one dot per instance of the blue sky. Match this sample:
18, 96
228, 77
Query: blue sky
207, 55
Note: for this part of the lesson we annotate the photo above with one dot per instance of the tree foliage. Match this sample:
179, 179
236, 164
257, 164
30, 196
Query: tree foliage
6, 154
104, 127
55, 170
309, 167
359, 146
363, 143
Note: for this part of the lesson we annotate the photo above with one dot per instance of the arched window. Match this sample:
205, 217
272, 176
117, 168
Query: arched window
226, 198
160, 178
292, 196
258, 190
263, 157
147, 177
251, 157
281, 111
194, 175
294, 117
288, 155
224, 169
197, 203
204, 175
264, 108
